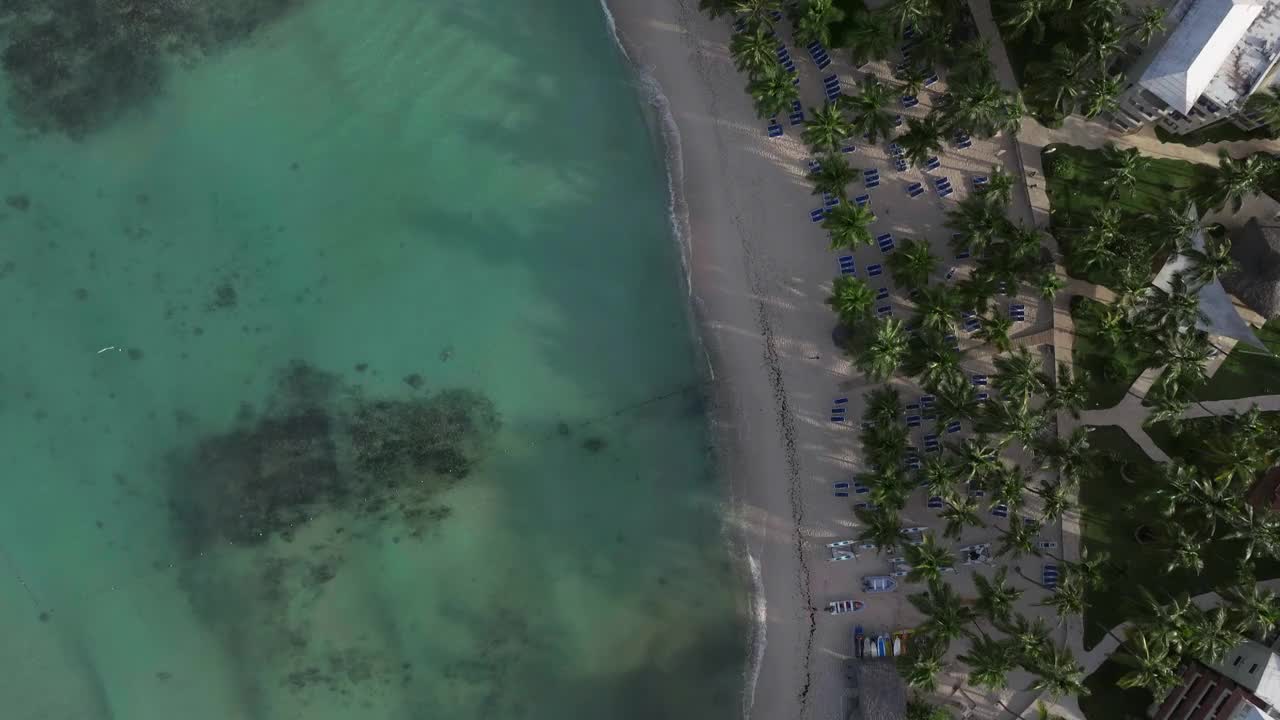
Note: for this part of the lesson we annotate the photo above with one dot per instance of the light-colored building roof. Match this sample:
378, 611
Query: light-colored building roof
1256, 668
1247, 66
1197, 48
1249, 711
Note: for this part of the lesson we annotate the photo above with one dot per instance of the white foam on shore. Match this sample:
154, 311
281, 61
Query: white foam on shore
678, 214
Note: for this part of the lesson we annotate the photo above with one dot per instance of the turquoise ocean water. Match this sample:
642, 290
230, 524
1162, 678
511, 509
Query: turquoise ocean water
298, 250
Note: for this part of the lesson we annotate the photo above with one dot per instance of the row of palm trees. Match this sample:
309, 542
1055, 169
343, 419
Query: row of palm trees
1079, 73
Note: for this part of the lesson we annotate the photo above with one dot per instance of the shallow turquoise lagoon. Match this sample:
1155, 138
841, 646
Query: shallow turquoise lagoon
347, 374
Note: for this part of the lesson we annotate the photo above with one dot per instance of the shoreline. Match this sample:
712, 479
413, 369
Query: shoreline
748, 454
666, 137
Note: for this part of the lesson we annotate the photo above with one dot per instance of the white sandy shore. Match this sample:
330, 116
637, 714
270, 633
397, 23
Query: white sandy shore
760, 275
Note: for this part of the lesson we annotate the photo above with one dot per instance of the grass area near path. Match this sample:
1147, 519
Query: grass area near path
1247, 371
1224, 131
1074, 182
1110, 374
1108, 701
1111, 512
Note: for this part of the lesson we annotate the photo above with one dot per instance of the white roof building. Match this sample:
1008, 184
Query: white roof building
1198, 48
1255, 667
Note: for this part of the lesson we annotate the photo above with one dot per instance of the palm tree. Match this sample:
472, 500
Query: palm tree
1021, 16
1256, 610
922, 140
1174, 222
912, 264
990, 661
1102, 93
757, 13
928, 560
1061, 79
886, 351
910, 13
1211, 634
1212, 262
848, 224
815, 21
773, 91
832, 175
1059, 674
947, 615
1019, 540
936, 306
934, 360
884, 406
715, 8
826, 129
978, 218
1089, 570
1104, 40
1071, 456
869, 116
994, 331
754, 52
996, 597
1237, 179
1071, 391
954, 400
852, 299
912, 77
1048, 283
920, 669
999, 185
1165, 408
1123, 167
977, 459
1186, 550
961, 512
868, 38
1148, 24
1031, 638
1154, 664
1266, 103
1183, 355
1018, 375
934, 42
883, 529
984, 109
1055, 500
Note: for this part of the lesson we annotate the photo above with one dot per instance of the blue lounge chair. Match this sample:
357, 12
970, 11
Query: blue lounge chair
848, 149
915, 191
979, 182
840, 485
927, 401
830, 202
900, 164
933, 78
869, 184
935, 502
822, 61
870, 172
838, 410
813, 46
796, 119
846, 264
862, 200
788, 65
897, 121
909, 101
932, 163
840, 400
953, 427
913, 421
874, 270
775, 130
882, 293
837, 418
963, 254
911, 408
1049, 576
945, 191
860, 489
980, 380
977, 493
831, 80
981, 397
884, 311
972, 325
816, 215
1000, 511
951, 272
842, 493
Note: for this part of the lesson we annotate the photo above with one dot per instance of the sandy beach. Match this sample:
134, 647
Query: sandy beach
760, 274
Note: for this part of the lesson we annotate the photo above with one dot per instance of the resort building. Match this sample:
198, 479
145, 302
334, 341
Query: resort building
1244, 686
1214, 55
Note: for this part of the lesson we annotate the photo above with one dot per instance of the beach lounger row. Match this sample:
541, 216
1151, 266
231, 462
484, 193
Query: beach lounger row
963, 141
954, 427
895, 150
909, 101
829, 201
935, 502
838, 412
931, 444
875, 270
932, 164
862, 200
1018, 312
846, 265
900, 164
871, 178
885, 242
882, 293
943, 186
819, 55
817, 215
915, 189
831, 84
971, 322
980, 380
1049, 576
1000, 511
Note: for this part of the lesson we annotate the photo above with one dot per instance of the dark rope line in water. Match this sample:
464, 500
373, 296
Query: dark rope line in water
18, 576
648, 401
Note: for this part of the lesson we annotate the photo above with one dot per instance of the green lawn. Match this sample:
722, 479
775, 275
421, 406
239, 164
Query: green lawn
1110, 374
1223, 131
1111, 514
1247, 371
1107, 701
1073, 180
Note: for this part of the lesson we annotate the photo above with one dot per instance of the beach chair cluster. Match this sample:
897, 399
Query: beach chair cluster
931, 444
840, 489
775, 128
1049, 576
797, 113
954, 427
971, 322
846, 265
847, 149
875, 270
931, 80
910, 101
829, 201
817, 215
784, 59
862, 200
979, 182
935, 502
882, 293
979, 380
963, 141
943, 186
884, 311
860, 489
897, 153
915, 189
911, 459
932, 164
1018, 312
1046, 544
885, 241
1000, 511
838, 408
871, 178
831, 84
818, 54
